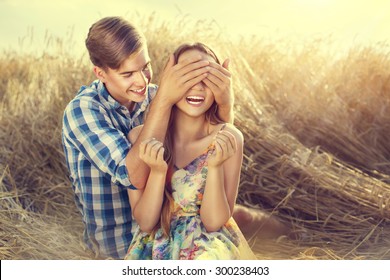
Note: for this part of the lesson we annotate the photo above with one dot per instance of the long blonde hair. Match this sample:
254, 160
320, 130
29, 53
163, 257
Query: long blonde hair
211, 117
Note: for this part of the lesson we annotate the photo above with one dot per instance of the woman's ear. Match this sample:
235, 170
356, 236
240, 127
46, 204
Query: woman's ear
99, 73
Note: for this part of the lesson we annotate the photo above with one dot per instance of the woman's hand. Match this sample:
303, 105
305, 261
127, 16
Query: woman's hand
151, 151
225, 146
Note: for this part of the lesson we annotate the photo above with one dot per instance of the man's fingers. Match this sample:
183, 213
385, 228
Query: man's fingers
170, 63
213, 87
190, 60
226, 63
188, 69
218, 77
217, 81
194, 80
220, 68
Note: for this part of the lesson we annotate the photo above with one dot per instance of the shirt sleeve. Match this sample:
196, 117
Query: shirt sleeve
90, 129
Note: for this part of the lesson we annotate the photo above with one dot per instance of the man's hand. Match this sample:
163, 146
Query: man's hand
220, 83
177, 79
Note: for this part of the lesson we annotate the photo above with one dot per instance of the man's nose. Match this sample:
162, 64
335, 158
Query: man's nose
141, 78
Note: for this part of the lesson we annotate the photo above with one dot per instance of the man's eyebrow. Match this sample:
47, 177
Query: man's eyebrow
130, 72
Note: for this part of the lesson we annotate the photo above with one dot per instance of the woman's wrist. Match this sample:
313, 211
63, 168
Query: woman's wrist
159, 171
214, 168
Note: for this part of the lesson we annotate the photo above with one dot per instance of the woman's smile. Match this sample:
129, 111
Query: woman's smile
195, 100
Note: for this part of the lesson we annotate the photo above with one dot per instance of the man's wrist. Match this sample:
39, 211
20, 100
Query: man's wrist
162, 103
225, 112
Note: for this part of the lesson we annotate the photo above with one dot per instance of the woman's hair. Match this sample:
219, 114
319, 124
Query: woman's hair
211, 117
111, 40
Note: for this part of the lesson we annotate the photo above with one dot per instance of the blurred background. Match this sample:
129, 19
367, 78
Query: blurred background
312, 97
25, 23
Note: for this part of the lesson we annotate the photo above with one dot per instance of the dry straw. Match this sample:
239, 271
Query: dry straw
316, 127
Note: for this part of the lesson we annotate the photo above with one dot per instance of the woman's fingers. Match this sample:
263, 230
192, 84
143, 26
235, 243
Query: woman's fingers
225, 146
150, 148
155, 146
160, 154
229, 141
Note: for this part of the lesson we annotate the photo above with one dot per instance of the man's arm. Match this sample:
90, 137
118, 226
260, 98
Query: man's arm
175, 82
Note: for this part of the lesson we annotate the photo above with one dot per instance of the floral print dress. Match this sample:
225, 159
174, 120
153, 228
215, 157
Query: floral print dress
188, 238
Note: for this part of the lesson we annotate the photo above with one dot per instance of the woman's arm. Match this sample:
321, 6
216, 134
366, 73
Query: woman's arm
224, 169
146, 203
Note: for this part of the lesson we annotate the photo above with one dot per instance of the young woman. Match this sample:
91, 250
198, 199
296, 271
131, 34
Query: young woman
185, 210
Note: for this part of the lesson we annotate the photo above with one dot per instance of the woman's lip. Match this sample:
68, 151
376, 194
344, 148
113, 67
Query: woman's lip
195, 100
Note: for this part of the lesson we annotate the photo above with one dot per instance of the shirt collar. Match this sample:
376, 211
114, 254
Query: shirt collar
101, 89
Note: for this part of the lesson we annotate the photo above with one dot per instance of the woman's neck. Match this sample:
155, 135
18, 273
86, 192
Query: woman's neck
189, 129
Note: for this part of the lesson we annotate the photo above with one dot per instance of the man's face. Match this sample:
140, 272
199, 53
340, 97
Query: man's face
129, 83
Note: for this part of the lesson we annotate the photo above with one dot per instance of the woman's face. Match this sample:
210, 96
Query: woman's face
198, 99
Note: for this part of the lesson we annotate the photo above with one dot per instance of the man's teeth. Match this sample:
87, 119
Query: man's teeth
195, 99
139, 90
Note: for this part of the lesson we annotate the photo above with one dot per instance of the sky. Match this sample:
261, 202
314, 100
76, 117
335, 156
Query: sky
347, 21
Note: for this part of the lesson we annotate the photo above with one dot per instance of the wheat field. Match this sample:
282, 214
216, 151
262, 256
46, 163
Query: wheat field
316, 123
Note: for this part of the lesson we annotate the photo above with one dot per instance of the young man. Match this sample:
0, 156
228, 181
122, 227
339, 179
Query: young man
101, 162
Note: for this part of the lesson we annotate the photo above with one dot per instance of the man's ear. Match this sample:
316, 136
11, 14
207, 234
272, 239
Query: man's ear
99, 73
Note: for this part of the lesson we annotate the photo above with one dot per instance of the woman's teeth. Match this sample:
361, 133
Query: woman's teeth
195, 99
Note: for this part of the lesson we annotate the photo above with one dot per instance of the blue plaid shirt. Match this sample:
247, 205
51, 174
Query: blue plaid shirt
94, 133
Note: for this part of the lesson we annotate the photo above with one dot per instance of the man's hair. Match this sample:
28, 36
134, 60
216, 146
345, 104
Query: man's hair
111, 40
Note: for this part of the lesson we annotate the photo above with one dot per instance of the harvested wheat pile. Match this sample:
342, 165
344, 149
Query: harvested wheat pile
316, 130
